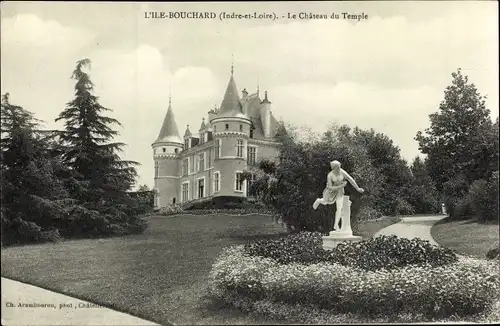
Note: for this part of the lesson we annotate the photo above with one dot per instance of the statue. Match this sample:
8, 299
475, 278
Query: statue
334, 191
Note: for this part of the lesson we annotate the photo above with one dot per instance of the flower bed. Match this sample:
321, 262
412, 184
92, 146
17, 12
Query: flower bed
177, 210
411, 289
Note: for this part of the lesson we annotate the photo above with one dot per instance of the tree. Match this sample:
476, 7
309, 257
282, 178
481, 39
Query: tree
423, 193
386, 157
143, 188
101, 177
458, 141
33, 198
293, 184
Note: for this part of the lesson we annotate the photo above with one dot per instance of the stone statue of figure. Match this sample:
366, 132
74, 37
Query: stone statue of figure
334, 191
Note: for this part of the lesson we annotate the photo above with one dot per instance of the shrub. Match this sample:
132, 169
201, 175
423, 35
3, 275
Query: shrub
368, 213
483, 196
403, 207
463, 288
383, 252
455, 192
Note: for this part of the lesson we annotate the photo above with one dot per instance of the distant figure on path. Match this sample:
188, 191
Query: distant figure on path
334, 191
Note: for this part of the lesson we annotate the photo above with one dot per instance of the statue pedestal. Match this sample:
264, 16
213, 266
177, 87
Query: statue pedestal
345, 232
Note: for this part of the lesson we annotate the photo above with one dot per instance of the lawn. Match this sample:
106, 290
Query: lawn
468, 237
159, 275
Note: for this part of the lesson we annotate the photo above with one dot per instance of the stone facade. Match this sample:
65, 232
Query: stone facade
237, 135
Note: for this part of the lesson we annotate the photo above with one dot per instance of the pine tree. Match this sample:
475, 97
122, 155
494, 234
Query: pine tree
33, 198
101, 177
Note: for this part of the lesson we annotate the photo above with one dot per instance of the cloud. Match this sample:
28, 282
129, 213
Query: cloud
387, 73
30, 32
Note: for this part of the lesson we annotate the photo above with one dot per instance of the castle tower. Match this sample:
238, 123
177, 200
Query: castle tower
166, 149
231, 129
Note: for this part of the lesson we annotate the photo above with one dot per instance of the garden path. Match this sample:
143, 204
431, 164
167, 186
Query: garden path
15, 293
413, 227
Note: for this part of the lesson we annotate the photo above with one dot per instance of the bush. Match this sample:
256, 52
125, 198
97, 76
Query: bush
483, 196
464, 288
455, 192
177, 210
368, 213
383, 252
403, 207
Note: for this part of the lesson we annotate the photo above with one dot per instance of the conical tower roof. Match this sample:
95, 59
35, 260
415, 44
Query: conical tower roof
231, 104
169, 132
203, 125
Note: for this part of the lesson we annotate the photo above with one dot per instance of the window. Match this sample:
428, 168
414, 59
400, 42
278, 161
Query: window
249, 184
193, 164
176, 150
251, 132
241, 128
186, 143
239, 144
185, 191
251, 157
201, 161
227, 126
202, 138
157, 167
239, 182
173, 200
217, 148
201, 188
215, 128
216, 181
164, 149
185, 165
209, 160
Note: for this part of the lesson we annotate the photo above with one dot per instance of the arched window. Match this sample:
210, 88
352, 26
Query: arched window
176, 150
173, 201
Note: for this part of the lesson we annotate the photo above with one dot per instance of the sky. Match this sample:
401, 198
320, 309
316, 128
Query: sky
386, 72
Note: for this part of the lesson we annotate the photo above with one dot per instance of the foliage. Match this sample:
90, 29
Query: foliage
463, 288
100, 178
175, 209
461, 140
423, 195
386, 158
483, 196
368, 213
383, 252
455, 191
292, 185
33, 198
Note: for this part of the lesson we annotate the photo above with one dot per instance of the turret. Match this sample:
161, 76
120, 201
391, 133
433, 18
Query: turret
187, 138
166, 149
231, 132
265, 114
203, 132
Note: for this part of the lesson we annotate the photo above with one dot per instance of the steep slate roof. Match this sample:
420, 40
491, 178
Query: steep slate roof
231, 104
169, 131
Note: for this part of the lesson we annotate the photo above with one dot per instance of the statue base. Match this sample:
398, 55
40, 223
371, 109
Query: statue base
336, 237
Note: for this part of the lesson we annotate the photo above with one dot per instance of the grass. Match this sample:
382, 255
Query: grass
160, 275
468, 237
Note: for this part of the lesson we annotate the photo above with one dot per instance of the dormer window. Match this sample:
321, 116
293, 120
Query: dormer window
227, 126
186, 144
